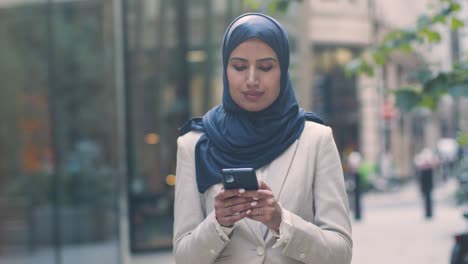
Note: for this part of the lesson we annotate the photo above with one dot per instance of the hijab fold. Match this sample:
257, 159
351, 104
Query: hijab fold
234, 137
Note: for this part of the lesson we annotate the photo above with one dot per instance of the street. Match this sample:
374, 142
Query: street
393, 229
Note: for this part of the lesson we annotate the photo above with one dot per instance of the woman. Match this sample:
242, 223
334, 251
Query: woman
299, 214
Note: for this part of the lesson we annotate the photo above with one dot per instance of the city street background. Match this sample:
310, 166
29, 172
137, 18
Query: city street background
92, 94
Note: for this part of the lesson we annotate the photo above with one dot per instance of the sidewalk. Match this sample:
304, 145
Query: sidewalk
164, 257
409, 196
393, 229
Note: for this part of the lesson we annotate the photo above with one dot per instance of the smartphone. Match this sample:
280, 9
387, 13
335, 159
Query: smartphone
235, 178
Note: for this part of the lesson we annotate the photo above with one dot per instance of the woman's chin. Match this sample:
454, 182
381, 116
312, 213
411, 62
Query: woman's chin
252, 107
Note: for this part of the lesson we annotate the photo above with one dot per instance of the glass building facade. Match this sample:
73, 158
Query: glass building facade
57, 140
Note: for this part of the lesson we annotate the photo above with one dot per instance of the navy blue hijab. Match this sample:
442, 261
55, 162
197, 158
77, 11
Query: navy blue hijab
234, 137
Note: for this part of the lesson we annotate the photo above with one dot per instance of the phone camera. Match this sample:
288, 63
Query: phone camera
229, 178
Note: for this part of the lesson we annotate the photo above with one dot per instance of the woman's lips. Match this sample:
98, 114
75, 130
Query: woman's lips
252, 95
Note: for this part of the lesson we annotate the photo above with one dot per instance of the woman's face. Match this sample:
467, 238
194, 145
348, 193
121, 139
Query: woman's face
254, 74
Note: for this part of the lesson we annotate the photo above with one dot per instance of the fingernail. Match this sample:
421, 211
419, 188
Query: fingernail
253, 203
242, 190
236, 213
255, 198
248, 211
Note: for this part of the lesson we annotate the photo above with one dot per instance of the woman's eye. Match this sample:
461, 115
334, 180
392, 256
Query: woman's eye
265, 69
239, 68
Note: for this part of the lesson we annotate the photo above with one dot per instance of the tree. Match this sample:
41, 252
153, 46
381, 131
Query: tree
428, 86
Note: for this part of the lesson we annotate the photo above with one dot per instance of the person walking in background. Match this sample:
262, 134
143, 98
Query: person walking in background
354, 162
425, 161
300, 212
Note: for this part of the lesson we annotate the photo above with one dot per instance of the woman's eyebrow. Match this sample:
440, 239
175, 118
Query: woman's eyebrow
267, 59
237, 58
259, 60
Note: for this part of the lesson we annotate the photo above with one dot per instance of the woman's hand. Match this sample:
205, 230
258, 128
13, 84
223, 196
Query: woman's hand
266, 208
231, 206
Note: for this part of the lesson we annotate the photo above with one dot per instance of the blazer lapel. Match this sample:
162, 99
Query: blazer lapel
277, 173
279, 168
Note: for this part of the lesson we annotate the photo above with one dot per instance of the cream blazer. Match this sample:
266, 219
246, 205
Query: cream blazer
306, 179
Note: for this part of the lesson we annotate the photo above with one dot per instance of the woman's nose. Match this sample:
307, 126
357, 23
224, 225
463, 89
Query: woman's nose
252, 77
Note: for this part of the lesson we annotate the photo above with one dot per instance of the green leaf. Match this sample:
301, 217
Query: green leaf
409, 36
278, 6
423, 21
428, 101
455, 7
352, 68
431, 35
421, 76
456, 23
367, 69
438, 85
463, 139
439, 19
359, 66
379, 57
407, 98
406, 48
395, 34
459, 90
252, 4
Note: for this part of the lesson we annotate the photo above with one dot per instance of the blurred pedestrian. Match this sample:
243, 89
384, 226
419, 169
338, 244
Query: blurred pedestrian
354, 162
300, 212
425, 162
447, 150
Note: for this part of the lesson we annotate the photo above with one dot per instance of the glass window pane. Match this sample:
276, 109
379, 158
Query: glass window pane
84, 115
58, 183
156, 106
25, 142
174, 66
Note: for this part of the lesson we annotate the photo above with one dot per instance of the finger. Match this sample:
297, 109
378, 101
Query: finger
234, 210
224, 193
262, 214
231, 219
258, 194
232, 201
263, 185
257, 213
269, 202
229, 202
